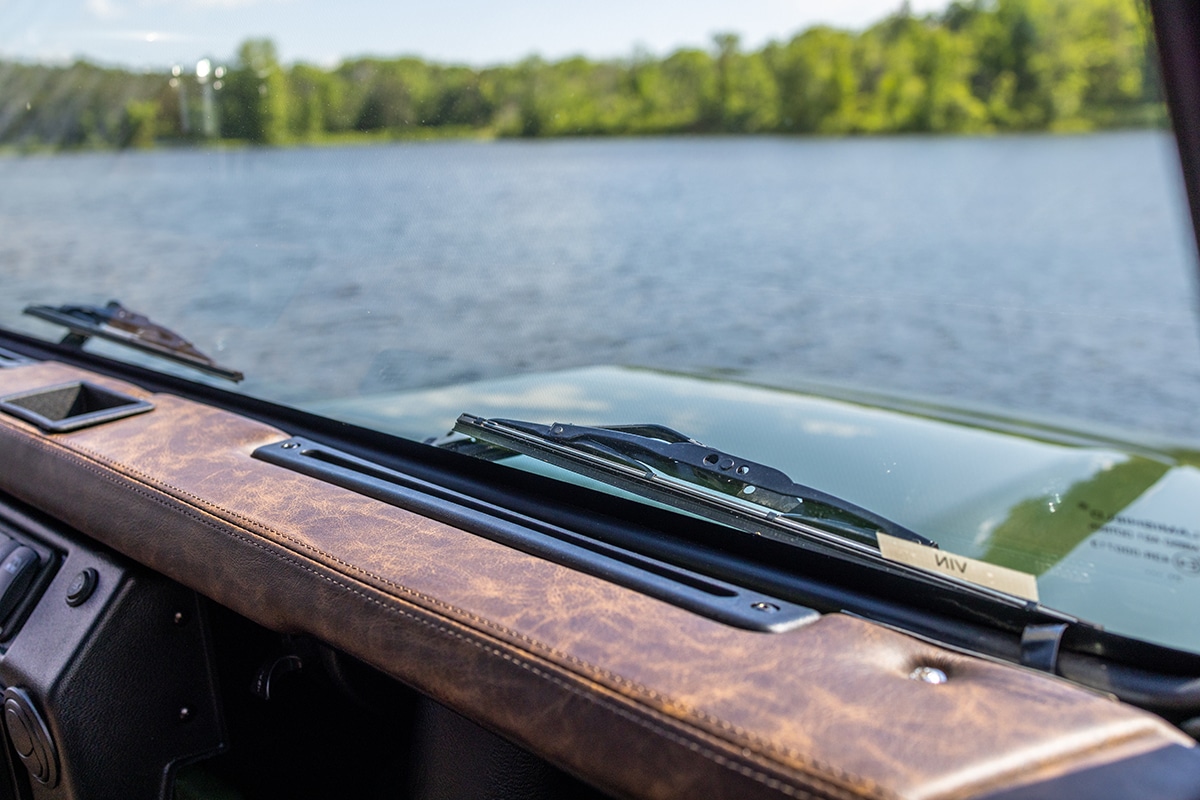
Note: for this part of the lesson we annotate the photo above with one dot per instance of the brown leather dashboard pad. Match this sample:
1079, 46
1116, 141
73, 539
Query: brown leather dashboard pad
634, 694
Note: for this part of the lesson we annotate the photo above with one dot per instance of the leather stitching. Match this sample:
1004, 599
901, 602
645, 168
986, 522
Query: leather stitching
102, 466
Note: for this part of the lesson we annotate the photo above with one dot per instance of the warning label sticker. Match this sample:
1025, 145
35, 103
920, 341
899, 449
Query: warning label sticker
1150, 541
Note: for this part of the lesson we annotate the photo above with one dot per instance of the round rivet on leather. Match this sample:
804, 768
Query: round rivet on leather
931, 675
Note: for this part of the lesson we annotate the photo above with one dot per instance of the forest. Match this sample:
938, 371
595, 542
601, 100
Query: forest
981, 66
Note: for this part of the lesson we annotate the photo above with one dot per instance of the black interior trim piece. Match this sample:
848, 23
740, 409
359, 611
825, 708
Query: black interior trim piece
125, 666
16, 527
718, 600
10, 359
1177, 31
1169, 773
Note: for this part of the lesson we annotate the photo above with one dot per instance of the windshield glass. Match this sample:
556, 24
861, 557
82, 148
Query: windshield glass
934, 260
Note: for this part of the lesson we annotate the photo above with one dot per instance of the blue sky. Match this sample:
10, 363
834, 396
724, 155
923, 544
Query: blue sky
155, 33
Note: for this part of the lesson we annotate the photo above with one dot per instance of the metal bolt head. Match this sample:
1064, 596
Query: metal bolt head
290, 445
766, 608
931, 675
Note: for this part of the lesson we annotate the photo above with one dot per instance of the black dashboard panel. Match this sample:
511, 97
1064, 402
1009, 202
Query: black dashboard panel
109, 681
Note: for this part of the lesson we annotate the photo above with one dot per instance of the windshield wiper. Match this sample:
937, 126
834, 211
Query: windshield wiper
664, 465
118, 324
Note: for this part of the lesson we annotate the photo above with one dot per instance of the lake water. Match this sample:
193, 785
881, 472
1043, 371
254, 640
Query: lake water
1045, 274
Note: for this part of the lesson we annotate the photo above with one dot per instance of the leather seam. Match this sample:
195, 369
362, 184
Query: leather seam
97, 464
226, 516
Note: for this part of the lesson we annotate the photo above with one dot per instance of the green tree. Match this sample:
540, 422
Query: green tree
947, 64
689, 82
254, 100
313, 95
458, 99
980, 65
893, 88
817, 81
399, 95
747, 98
141, 123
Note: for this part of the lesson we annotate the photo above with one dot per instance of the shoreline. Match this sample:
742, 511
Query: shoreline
362, 139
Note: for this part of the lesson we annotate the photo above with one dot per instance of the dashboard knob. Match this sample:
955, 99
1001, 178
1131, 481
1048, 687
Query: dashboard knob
30, 736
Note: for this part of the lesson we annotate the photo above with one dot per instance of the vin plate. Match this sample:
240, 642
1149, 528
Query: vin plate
1003, 579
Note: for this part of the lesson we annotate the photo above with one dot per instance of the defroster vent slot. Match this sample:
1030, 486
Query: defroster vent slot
717, 599
70, 406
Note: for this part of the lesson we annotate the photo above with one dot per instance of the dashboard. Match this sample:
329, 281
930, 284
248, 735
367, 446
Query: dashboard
185, 619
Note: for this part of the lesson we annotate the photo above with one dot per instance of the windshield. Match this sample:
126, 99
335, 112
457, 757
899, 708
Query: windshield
934, 260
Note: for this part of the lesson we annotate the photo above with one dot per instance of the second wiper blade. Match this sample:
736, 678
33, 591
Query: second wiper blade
664, 465
118, 324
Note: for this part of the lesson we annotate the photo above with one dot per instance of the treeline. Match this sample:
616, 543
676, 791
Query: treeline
983, 65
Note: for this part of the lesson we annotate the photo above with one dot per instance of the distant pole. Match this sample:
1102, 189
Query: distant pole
178, 82
208, 127
219, 75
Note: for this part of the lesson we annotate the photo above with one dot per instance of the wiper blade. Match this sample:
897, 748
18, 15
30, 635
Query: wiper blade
664, 465
118, 324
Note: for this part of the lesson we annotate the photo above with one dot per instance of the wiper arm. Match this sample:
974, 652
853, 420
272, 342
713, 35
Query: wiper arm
118, 324
664, 465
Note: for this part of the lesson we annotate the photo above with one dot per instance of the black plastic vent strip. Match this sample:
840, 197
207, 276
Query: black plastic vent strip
716, 599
